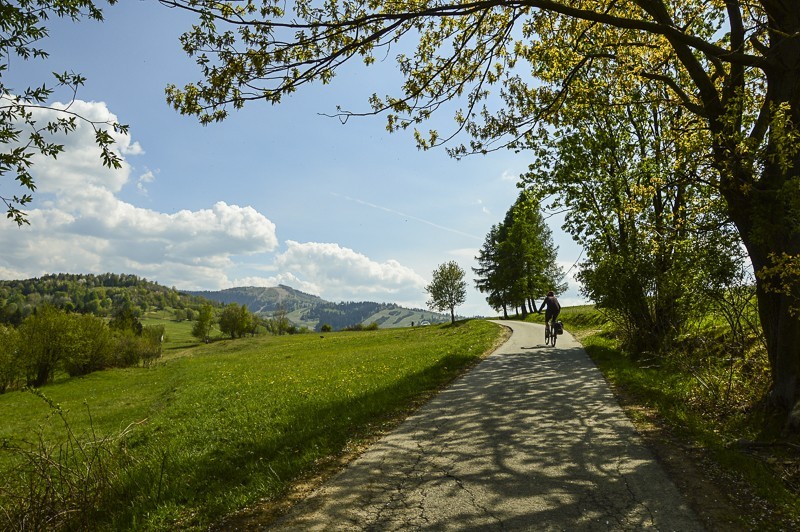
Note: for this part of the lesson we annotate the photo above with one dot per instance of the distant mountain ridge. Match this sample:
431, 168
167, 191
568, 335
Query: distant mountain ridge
306, 310
262, 300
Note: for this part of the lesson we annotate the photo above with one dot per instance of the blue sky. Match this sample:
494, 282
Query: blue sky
275, 194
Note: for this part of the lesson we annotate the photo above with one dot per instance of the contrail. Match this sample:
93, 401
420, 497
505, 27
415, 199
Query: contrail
404, 215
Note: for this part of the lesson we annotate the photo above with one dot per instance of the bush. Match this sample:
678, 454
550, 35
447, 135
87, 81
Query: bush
93, 346
361, 327
325, 328
10, 371
45, 337
126, 350
150, 345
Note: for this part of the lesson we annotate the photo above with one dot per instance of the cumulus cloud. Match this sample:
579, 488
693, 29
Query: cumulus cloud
508, 175
341, 273
80, 164
80, 225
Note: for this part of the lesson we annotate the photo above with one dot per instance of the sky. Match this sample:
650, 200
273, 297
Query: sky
273, 195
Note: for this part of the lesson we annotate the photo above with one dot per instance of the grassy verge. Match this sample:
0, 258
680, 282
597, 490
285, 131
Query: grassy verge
700, 406
226, 424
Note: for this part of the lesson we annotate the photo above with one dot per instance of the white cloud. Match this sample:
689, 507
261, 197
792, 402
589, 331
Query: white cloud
79, 225
141, 183
484, 208
80, 163
508, 175
342, 274
464, 254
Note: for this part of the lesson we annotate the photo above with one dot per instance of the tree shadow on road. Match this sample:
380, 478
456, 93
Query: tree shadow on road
522, 442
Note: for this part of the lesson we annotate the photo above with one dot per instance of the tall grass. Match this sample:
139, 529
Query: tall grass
700, 393
235, 422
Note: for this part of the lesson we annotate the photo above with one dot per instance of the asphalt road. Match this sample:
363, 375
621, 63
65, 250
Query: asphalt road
530, 439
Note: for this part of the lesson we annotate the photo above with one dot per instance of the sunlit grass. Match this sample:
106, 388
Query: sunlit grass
233, 422
178, 334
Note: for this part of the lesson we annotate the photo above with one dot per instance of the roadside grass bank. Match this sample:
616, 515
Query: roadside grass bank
701, 411
214, 428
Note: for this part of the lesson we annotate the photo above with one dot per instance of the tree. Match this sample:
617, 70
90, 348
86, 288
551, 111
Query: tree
447, 289
235, 320
529, 253
735, 66
636, 196
517, 262
23, 131
279, 323
10, 370
46, 337
202, 327
126, 319
489, 273
94, 345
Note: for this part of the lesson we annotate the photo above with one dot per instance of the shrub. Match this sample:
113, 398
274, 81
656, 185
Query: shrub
93, 346
126, 350
58, 487
10, 370
44, 338
151, 342
361, 327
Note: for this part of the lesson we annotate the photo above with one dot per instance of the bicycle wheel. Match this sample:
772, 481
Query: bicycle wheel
547, 336
553, 336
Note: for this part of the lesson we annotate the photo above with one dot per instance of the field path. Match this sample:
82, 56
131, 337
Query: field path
530, 439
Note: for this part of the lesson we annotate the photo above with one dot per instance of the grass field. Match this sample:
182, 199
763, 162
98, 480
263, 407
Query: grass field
223, 425
178, 334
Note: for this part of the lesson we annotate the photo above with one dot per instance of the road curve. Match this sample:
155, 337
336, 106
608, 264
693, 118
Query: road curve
530, 439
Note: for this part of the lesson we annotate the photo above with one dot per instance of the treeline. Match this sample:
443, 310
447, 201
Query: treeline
99, 295
51, 341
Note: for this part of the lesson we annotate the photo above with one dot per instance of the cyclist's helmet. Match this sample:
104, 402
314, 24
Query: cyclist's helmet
550, 293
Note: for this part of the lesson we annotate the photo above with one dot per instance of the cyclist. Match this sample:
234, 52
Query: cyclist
553, 309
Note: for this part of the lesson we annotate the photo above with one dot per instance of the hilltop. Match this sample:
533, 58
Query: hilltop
306, 310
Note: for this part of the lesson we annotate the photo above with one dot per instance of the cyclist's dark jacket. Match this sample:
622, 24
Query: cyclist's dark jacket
553, 307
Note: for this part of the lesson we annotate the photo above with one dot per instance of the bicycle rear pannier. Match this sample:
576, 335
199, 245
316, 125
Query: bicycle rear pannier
559, 328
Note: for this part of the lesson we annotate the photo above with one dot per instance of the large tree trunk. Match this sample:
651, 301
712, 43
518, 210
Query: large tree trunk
767, 224
764, 208
778, 302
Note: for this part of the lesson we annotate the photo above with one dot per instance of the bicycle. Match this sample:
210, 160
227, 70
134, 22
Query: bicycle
550, 335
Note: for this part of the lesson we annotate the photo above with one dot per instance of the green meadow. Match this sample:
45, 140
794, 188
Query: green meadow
213, 428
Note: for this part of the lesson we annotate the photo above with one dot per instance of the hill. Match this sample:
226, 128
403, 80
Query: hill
88, 293
306, 310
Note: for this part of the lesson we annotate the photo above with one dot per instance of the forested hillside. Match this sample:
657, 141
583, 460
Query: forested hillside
87, 293
102, 294
263, 300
